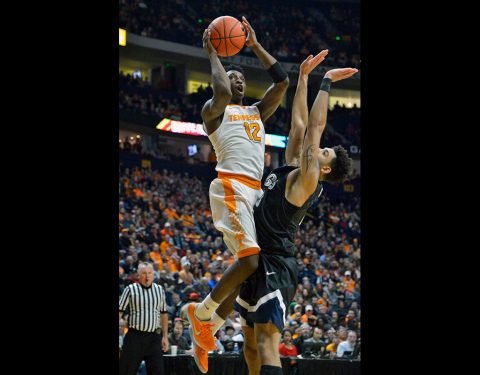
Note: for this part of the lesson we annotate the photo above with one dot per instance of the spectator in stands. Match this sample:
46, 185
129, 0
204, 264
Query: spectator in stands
332, 347
287, 348
308, 313
305, 333
315, 344
176, 338
346, 348
337, 30
351, 321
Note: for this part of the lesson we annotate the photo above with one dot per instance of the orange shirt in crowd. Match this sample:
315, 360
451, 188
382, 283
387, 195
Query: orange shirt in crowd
138, 192
171, 213
332, 347
164, 246
166, 231
172, 265
187, 220
157, 257
304, 318
349, 284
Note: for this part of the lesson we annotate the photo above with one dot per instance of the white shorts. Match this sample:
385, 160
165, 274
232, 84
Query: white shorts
232, 204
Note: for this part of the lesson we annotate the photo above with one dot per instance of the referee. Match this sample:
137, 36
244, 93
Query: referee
146, 302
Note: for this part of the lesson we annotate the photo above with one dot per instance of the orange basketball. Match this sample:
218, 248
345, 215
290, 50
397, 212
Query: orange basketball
227, 36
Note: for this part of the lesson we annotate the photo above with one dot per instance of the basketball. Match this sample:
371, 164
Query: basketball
227, 35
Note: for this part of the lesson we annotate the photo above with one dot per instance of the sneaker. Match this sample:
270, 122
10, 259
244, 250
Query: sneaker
200, 356
202, 332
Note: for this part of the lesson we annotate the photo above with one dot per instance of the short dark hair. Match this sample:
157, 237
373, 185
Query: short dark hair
341, 166
286, 330
234, 67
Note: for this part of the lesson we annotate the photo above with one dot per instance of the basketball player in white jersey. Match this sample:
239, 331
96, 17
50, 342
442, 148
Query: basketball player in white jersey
237, 133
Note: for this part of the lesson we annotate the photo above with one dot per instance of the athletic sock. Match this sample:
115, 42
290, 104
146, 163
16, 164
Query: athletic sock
206, 309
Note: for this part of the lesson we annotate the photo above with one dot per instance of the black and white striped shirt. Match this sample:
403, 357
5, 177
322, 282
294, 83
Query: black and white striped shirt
145, 305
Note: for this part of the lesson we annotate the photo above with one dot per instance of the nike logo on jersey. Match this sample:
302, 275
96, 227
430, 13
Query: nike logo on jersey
270, 273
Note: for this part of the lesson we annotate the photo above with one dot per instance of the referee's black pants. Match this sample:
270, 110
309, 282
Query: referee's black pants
138, 346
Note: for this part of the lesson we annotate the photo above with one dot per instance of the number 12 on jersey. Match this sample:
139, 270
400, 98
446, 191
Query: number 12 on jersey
252, 135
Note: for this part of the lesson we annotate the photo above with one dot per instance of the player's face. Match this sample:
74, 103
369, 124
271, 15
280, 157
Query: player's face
325, 156
238, 84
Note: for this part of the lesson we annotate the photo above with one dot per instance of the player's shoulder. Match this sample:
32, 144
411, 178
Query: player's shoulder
283, 170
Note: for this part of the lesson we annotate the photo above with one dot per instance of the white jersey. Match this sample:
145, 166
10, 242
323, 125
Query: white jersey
239, 142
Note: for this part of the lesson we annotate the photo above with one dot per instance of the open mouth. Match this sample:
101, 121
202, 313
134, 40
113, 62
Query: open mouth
240, 88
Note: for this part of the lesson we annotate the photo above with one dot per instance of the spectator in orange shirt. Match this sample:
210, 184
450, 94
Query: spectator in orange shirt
186, 217
171, 211
185, 273
166, 230
156, 254
308, 313
172, 261
348, 282
166, 245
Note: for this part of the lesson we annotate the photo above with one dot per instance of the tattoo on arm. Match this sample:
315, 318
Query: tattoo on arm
308, 156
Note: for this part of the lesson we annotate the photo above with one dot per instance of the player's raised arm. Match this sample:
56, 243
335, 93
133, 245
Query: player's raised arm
311, 162
274, 94
222, 92
300, 110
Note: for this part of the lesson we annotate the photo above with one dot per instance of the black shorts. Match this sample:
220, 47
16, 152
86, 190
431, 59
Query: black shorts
266, 295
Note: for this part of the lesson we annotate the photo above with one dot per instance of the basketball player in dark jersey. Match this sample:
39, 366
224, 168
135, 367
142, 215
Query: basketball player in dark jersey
289, 191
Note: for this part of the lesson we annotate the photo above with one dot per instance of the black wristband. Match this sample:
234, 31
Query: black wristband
277, 72
325, 86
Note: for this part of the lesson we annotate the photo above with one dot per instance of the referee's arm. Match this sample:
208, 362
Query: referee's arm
164, 321
123, 303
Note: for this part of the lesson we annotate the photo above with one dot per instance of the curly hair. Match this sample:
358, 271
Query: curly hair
341, 166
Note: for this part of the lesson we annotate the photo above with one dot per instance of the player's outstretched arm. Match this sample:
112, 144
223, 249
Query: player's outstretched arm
300, 110
318, 113
222, 92
306, 181
274, 94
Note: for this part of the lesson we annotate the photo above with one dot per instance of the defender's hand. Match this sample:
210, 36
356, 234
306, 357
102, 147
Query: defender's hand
311, 62
339, 74
251, 40
207, 44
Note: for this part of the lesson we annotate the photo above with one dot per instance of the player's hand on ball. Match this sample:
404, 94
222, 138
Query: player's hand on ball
207, 44
339, 74
251, 40
311, 62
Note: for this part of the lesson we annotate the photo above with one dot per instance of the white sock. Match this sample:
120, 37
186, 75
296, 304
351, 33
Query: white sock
206, 309
217, 322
